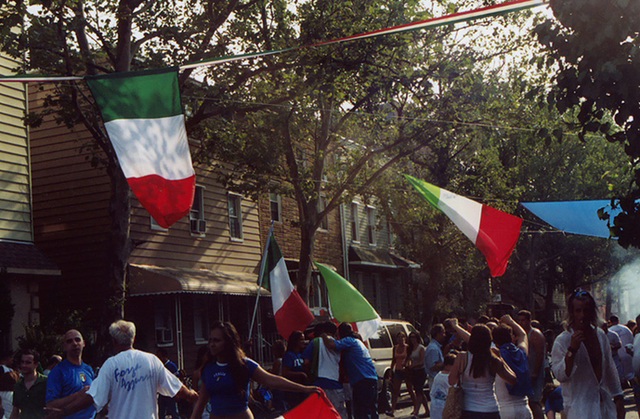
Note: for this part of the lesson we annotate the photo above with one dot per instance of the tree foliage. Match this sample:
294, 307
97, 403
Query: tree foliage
515, 150
594, 45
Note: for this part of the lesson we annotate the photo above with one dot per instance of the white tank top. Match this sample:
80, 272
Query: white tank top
479, 395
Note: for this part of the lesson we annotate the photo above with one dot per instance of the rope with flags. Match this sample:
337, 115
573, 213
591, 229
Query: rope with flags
448, 19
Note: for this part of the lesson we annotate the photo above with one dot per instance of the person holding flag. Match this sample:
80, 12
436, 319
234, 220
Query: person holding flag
360, 369
225, 378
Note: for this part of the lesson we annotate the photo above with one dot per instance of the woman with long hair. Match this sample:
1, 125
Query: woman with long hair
397, 368
416, 372
225, 378
477, 369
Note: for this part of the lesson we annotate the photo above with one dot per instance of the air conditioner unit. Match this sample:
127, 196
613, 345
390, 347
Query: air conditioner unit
198, 226
163, 335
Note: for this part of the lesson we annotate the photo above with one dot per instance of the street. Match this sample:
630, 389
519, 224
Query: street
405, 408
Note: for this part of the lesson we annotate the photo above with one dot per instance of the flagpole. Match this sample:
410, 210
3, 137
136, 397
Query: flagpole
263, 261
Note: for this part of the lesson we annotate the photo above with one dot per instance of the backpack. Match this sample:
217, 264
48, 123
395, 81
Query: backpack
517, 361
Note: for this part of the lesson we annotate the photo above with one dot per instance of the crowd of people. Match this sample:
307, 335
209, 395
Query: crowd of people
505, 367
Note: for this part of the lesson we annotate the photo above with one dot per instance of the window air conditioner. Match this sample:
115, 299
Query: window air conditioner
198, 226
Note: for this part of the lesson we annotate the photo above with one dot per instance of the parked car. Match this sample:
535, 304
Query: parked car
381, 344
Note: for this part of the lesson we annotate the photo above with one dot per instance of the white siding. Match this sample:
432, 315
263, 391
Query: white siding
15, 190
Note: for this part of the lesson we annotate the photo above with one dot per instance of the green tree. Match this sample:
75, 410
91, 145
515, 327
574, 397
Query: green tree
99, 36
355, 110
510, 150
593, 47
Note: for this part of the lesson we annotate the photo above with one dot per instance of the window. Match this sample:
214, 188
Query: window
200, 319
163, 323
355, 233
390, 236
235, 216
371, 225
153, 224
381, 339
275, 207
322, 204
196, 214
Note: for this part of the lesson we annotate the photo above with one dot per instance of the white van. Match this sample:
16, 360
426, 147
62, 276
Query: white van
381, 344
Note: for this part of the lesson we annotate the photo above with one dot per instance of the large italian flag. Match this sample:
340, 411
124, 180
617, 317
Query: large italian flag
143, 117
347, 304
290, 311
494, 232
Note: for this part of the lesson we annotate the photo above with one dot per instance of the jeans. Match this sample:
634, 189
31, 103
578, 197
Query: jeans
365, 399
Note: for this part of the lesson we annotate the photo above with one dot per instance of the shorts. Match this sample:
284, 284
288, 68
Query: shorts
399, 375
418, 377
480, 415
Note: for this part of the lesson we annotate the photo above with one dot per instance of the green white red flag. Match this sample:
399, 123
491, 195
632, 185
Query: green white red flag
346, 304
290, 311
142, 114
494, 232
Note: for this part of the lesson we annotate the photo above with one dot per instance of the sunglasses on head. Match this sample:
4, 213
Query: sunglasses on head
580, 293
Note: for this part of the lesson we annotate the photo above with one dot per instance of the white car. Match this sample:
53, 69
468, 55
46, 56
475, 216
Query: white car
381, 344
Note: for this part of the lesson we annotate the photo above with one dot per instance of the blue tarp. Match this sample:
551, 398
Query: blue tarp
578, 217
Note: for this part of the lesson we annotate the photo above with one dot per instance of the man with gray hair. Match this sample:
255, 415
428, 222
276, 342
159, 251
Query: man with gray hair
129, 381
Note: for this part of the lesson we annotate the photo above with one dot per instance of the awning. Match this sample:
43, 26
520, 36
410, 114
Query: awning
155, 280
25, 259
578, 217
379, 258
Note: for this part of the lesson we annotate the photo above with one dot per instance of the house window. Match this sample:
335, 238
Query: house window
371, 225
153, 224
322, 204
196, 214
275, 206
163, 323
235, 216
200, 319
390, 235
355, 233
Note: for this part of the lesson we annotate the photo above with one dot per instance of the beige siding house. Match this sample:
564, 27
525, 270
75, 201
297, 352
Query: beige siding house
203, 268
22, 266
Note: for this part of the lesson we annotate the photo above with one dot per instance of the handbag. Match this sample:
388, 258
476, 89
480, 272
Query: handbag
455, 397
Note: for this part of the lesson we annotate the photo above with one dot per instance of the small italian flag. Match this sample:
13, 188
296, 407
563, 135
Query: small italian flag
347, 304
316, 406
289, 310
143, 117
494, 232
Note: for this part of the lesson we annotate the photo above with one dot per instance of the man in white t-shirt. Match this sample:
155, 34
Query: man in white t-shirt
626, 338
323, 366
129, 381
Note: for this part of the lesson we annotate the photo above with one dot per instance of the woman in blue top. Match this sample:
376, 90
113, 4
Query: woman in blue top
225, 378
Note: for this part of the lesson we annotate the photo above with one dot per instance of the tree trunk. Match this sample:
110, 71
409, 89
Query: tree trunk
307, 237
119, 247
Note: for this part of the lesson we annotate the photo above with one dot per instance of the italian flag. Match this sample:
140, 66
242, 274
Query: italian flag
290, 311
143, 117
316, 406
494, 232
347, 304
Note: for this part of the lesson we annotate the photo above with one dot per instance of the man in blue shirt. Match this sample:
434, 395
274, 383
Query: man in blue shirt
433, 356
360, 369
70, 376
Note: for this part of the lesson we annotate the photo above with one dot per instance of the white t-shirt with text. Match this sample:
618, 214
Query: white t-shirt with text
129, 383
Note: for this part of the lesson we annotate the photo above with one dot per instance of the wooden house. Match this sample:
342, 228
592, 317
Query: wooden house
203, 268
23, 267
